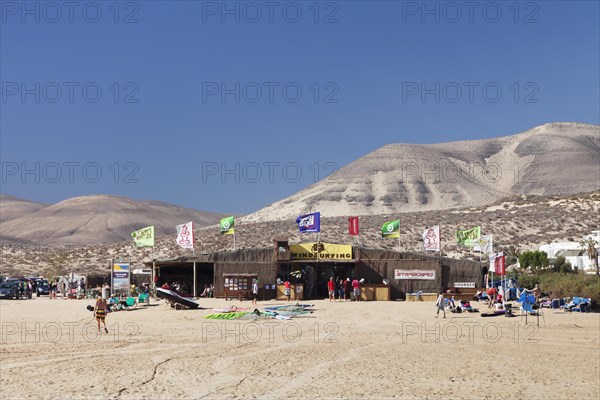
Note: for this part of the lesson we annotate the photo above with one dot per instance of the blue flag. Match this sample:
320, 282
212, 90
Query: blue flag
309, 222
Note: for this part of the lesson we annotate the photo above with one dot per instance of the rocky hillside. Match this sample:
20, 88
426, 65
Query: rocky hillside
523, 221
552, 159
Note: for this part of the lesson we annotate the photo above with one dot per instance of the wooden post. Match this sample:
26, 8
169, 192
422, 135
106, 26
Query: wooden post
112, 262
195, 288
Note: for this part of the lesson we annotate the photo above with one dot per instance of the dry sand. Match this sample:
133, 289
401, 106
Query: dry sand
343, 350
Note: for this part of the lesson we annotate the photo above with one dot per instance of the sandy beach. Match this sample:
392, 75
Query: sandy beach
50, 349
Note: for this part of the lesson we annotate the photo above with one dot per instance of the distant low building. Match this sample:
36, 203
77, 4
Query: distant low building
573, 252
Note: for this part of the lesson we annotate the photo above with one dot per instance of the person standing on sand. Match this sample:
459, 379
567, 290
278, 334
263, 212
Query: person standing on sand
255, 291
536, 293
287, 290
491, 292
340, 290
356, 289
100, 313
331, 289
347, 289
440, 304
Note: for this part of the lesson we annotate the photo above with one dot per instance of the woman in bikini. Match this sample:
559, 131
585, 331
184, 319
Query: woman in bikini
100, 312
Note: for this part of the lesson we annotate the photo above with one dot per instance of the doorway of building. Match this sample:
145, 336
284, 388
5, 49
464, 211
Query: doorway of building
181, 277
314, 277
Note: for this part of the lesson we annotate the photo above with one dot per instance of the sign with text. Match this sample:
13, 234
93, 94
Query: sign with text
120, 277
414, 274
320, 251
464, 285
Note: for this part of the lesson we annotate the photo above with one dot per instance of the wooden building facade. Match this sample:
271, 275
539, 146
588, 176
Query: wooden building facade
233, 273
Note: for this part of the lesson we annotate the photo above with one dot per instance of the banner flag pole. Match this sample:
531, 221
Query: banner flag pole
440, 239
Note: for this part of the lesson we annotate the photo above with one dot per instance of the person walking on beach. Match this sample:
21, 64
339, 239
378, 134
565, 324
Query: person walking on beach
331, 288
440, 304
100, 312
255, 291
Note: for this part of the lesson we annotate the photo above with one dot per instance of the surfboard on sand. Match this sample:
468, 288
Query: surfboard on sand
494, 314
173, 297
231, 309
228, 315
290, 307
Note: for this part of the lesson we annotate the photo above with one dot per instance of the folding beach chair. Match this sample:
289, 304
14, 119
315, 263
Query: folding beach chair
572, 304
127, 304
527, 301
131, 303
583, 306
143, 298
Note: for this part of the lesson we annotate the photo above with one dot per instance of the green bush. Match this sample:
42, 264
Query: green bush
558, 285
528, 280
560, 264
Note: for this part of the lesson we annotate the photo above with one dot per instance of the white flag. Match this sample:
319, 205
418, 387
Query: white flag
492, 258
185, 235
485, 245
431, 239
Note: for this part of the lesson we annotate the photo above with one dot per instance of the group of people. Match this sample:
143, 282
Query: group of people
179, 287
444, 303
26, 289
342, 289
64, 287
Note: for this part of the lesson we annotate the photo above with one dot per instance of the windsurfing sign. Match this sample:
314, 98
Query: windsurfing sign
320, 251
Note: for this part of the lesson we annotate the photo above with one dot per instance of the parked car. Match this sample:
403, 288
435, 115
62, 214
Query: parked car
20, 282
9, 290
43, 288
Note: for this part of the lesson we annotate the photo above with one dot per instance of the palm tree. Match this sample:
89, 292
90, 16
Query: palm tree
512, 253
590, 247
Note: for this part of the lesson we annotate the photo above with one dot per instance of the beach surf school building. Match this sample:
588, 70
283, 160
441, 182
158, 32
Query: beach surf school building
387, 274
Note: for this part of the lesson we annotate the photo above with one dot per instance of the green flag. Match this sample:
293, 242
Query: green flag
144, 237
391, 229
468, 237
227, 226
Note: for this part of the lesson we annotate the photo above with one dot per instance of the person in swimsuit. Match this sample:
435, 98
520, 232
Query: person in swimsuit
100, 313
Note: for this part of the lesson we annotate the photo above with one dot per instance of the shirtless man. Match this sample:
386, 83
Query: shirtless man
100, 312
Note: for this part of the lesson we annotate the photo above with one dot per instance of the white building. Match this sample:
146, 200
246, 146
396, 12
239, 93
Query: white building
573, 252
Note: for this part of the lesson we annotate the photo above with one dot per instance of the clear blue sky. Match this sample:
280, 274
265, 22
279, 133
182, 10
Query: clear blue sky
161, 119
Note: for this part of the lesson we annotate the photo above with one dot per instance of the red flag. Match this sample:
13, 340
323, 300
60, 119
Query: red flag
499, 265
353, 226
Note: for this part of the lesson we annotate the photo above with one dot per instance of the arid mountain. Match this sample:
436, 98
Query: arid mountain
535, 187
552, 159
12, 207
521, 221
94, 220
